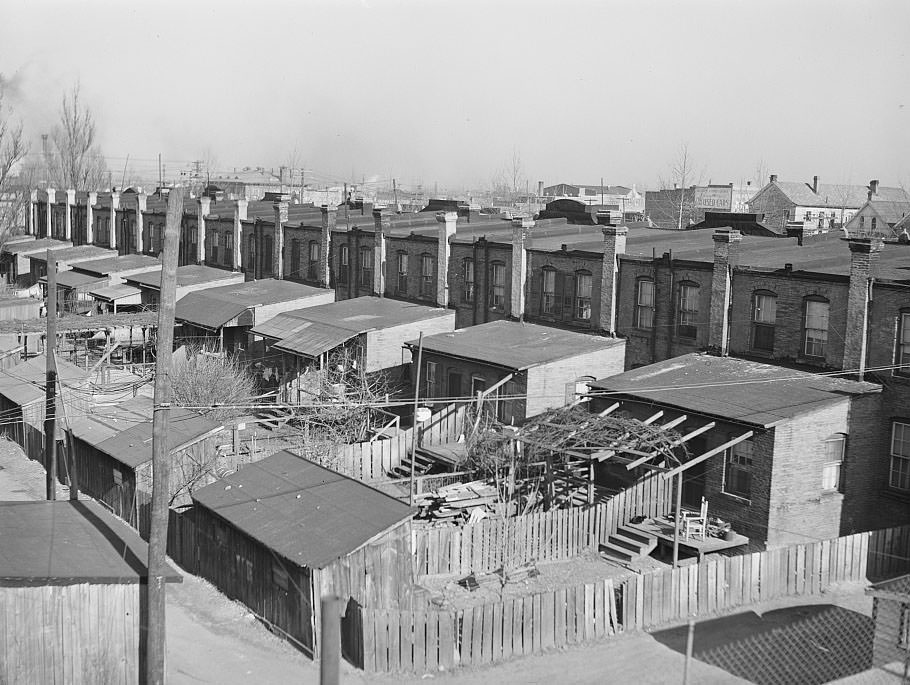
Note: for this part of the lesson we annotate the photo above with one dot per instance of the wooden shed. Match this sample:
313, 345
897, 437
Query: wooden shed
891, 613
70, 583
280, 533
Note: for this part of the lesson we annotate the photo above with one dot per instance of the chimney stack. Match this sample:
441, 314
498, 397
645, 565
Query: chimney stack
115, 205
873, 186
540, 189
614, 245
240, 207
863, 257
141, 199
202, 210
49, 208
447, 224
815, 184
68, 219
726, 256
329, 221
90, 203
382, 222
773, 178
521, 232
281, 218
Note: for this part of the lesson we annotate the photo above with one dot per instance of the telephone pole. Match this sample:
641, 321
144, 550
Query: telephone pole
157, 564
50, 380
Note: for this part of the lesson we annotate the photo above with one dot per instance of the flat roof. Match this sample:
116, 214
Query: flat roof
23, 383
307, 513
214, 307
514, 345
29, 246
112, 293
74, 279
107, 421
66, 542
732, 389
82, 252
191, 274
109, 265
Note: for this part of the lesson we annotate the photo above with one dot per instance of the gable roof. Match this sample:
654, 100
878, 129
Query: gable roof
514, 345
836, 195
24, 383
65, 542
732, 389
307, 513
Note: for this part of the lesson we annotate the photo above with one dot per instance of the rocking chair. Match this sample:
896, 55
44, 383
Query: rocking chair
695, 525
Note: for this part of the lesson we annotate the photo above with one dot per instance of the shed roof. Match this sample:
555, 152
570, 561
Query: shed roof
312, 339
66, 542
514, 345
733, 389
308, 514
74, 279
105, 422
29, 246
133, 447
115, 292
191, 274
24, 383
214, 307
67, 253
109, 265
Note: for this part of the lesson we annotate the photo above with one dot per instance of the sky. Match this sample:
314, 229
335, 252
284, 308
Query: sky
454, 93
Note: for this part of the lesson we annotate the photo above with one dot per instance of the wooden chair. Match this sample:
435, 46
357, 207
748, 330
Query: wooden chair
695, 525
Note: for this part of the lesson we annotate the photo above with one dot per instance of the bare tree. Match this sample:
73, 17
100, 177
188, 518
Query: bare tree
76, 161
677, 187
219, 386
13, 195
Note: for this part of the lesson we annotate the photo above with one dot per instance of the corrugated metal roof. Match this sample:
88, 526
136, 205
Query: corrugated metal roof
54, 543
208, 313
313, 339
281, 326
24, 383
308, 514
514, 345
115, 292
733, 389
133, 446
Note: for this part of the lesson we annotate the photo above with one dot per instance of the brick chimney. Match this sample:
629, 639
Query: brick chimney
90, 203
203, 206
773, 178
115, 205
447, 223
32, 224
521, 235
329, 221
281, 218
726, 256
68, 220
382, 222
614, 245
49, 208
240, 207
141, 200
815, 184
863, 257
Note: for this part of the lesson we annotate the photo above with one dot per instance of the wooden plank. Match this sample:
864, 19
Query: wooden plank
561, 607
432, 653
406, 641
528, 628
419, 641
382, 641
570, 616
589, 612
477, 652
448, 650
517, 626
394, 641
547, 618
537, 622
467, 637
507, 611
600, 624
496, 632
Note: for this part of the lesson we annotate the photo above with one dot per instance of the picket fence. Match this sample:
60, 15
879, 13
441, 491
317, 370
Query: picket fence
372, 461
386, 641
557, 534
389, 641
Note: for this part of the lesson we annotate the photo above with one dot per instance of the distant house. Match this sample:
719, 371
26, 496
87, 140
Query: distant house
891, 613
817, 206
879, 218
293, 531
15, 266
369, 332
65, 257
225, 315
76, 286
190, 278
71, 578
629, 201
534, 368
789, 459
113, 453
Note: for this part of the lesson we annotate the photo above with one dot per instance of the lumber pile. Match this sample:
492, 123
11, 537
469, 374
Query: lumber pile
459, 500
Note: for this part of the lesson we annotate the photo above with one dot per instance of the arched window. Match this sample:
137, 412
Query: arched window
687, 310
815, 327
583, 286
764, 319
644, 303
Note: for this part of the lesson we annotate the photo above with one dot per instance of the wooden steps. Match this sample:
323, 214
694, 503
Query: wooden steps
627, 545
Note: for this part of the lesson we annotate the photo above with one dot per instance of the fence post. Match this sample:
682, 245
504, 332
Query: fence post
690, 637
330, 648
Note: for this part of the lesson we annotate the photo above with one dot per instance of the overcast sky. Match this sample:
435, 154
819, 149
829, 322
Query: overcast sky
441, 91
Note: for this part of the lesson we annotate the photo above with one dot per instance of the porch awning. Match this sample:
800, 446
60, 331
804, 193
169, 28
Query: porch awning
315, 339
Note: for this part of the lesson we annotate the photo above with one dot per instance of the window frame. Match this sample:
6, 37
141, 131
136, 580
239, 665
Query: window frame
497, 301
401, 270
365, 255
582, 304
687, 309
902, 344
739, 467
834, 465
761, 325
430, 379
312, 265
548, 297
427, 274
641, 308
469, 283
344, 261
902, 482
821, 342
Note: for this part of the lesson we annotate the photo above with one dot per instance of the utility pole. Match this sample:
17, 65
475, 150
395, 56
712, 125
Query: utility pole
50, 380
157, 565
395, 192
414, 428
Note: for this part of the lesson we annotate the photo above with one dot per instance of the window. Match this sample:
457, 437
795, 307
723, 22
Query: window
738, 470
583, 296
214, 248
478, 384
903, 632
833, 470
862, 222
874, 221
343, 263
427, 275
903, 344
816, 332
228, 248
280, 576
430, 386
644, 304
467, 272
267, 254
764, 316
498, 286
900, 456
402, 285
366, 267
312, 267
687, 315
549, 291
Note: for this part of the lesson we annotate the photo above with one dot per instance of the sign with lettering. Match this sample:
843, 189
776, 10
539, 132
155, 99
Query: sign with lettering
716, 198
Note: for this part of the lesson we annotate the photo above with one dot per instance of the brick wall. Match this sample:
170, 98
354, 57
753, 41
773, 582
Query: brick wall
772, 202
566, 264
547, 382
415, 247
484, 253
355, 239
385, 347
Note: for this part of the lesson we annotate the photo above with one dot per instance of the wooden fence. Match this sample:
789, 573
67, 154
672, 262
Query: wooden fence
389, 641
369, 461
553, 535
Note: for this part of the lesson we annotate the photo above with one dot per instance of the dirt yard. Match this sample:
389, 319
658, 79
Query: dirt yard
445, 592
